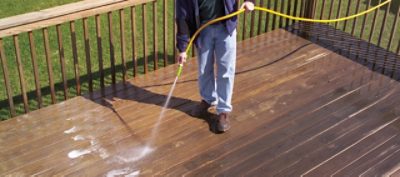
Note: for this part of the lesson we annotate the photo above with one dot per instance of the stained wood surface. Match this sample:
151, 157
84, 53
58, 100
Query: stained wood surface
299, 109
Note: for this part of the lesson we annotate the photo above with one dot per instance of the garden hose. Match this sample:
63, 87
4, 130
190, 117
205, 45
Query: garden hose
179, 72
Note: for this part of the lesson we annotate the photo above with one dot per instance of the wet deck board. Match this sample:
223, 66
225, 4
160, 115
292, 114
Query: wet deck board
299, 109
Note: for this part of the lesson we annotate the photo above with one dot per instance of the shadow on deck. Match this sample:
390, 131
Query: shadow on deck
301, 107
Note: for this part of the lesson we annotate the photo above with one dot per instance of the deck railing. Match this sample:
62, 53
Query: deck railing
58, 53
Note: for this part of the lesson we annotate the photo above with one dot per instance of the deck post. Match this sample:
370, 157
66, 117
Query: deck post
309, 9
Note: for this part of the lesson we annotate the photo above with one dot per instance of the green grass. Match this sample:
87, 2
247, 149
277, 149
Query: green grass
22, 6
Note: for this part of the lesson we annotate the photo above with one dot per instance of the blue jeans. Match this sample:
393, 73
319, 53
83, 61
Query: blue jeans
217, 46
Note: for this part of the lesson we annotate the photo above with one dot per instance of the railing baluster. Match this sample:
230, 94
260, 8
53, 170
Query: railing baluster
347, 14
289, 8
133, 34
21, 73
396, 61
296, 5
314, 8
393, 31
35, 69
274, 16
267, 15
144, 23
302, 8
49, 64
309, 9
252, 24
382, 31
371, 34
244, 27
338, 12
355, 20
282, 11
123, 45
75, 56
260, 14
155, 31
165, 30
364, 23
398, 48
238, 28
331, 9
62, 60
7, 79
322, 9
87, 53
112, 49
100, 50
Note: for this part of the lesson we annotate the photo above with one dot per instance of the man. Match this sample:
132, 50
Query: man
215, 44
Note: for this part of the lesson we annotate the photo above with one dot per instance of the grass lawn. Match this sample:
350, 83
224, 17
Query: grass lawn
23, 6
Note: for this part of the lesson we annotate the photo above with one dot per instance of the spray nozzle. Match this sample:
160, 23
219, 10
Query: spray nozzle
178, 74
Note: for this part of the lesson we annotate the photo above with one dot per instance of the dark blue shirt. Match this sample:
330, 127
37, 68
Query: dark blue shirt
188, 20
210, 10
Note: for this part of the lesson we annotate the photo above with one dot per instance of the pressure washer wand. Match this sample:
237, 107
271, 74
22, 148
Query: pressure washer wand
179, 72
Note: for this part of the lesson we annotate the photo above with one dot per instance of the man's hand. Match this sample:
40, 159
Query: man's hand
182, 58
249, 6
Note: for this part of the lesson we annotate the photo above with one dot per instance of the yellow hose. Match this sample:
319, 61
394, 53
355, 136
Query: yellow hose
278, 14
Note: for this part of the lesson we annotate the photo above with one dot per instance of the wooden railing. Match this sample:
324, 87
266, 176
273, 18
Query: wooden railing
58, 53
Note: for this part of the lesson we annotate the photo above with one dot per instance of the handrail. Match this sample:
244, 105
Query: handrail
9, 28
50, 13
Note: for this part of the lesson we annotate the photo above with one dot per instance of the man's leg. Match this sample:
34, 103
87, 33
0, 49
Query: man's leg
225, 49
206, 62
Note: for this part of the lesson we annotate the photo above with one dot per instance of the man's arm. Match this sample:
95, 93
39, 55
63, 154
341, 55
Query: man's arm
183, 34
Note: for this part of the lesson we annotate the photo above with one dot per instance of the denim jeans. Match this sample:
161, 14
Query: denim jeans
217, 46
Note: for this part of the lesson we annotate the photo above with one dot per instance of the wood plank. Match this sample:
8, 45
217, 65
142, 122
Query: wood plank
276, 123
238, 157
56, 128
385, 166
396, 173
370, 159
334, 133
287, 108
162, 148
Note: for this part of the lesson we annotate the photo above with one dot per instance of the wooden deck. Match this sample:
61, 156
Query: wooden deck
299, 109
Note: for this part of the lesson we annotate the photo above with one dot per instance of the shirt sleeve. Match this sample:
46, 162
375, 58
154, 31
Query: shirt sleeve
183, 33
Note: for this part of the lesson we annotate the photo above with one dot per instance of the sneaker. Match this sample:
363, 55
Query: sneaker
223, 122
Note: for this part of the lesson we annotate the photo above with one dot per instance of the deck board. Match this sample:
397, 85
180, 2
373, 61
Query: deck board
300, 107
